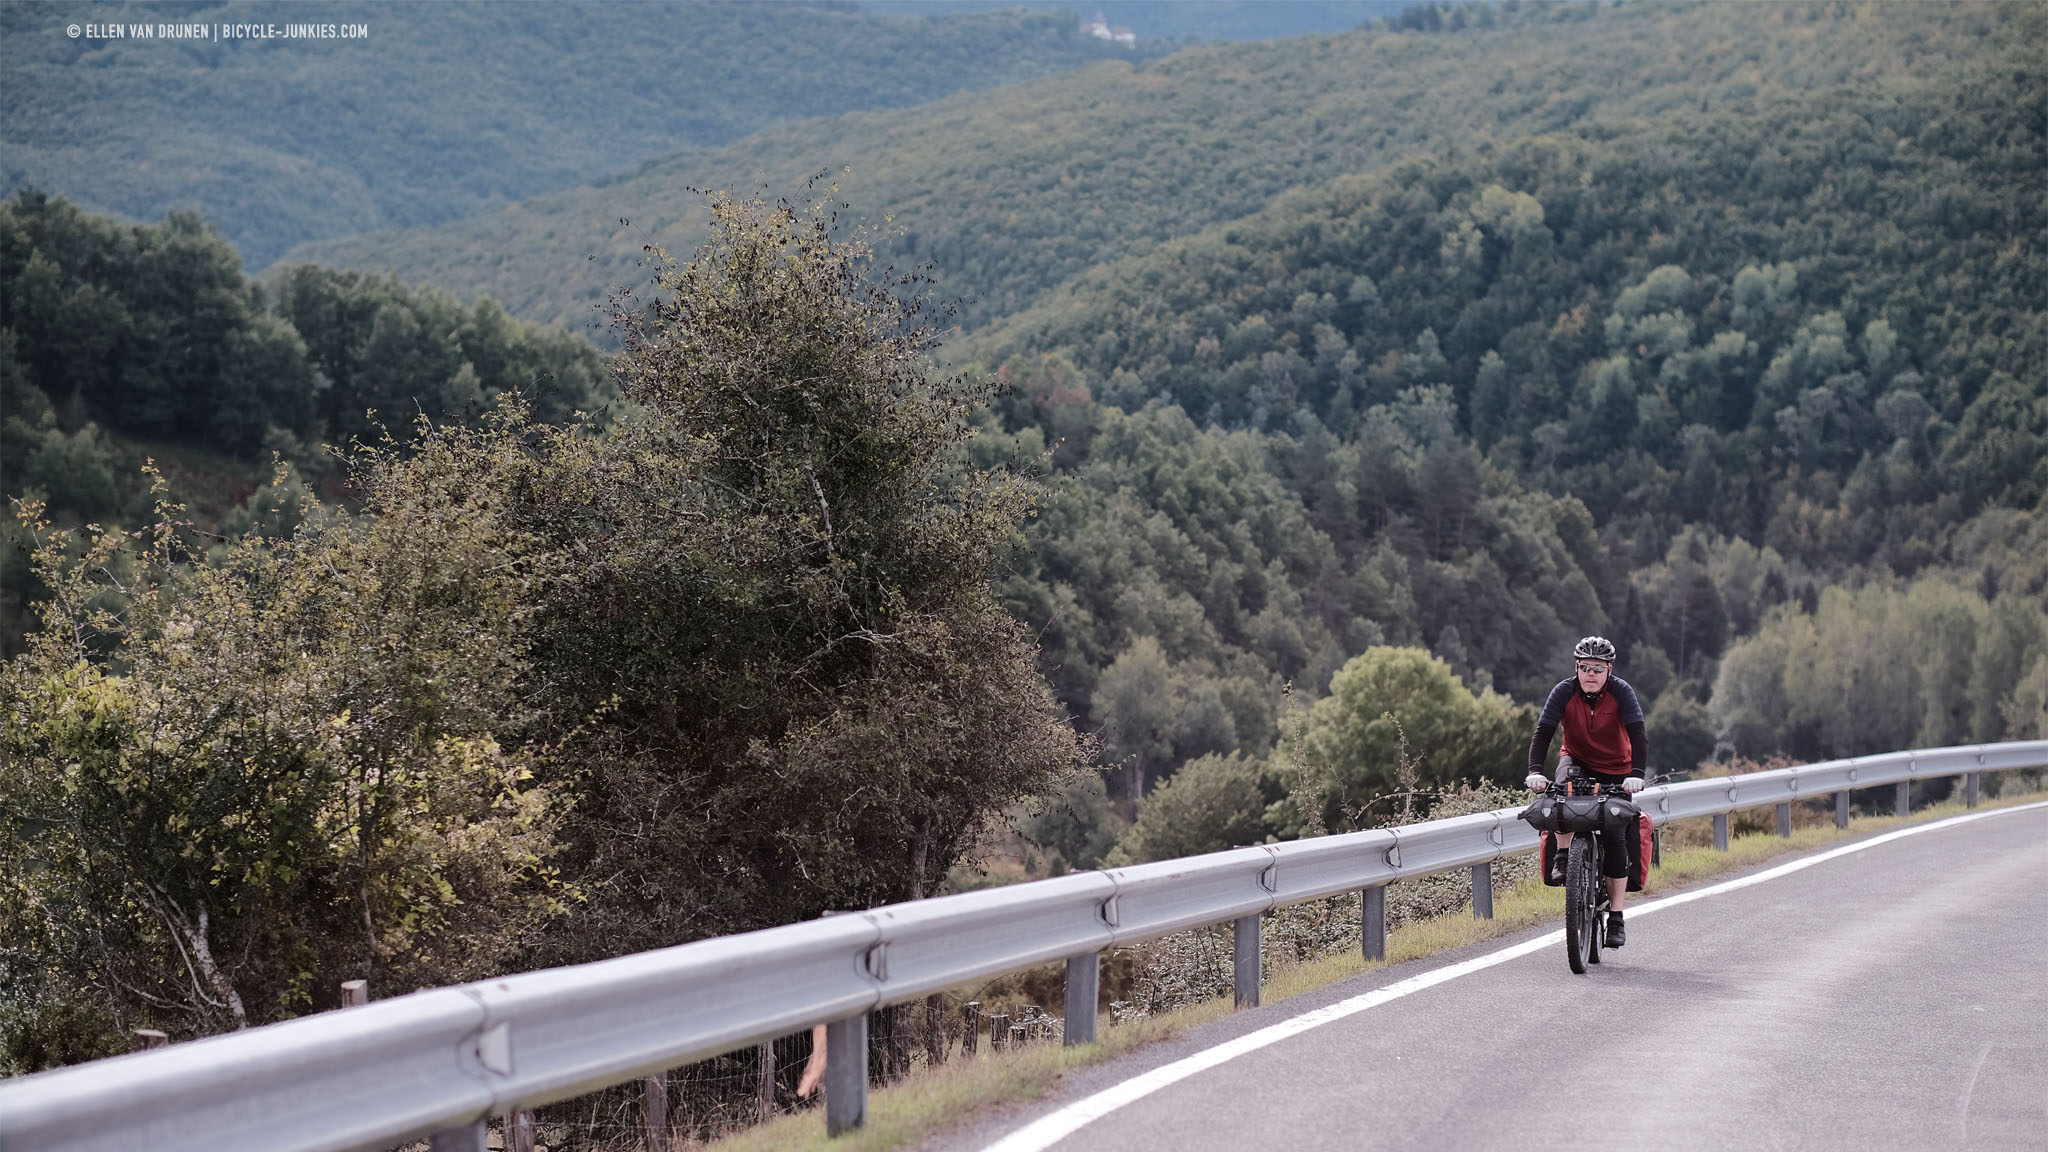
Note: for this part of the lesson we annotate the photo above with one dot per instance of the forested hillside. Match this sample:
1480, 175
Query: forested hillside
448, 109
1013, 191
1310, 398
120, 343
1667, 381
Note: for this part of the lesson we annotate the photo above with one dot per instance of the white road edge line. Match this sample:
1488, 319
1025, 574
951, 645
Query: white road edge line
1055, 1126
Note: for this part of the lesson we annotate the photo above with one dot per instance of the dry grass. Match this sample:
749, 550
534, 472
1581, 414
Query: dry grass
933, 1100
930, 1100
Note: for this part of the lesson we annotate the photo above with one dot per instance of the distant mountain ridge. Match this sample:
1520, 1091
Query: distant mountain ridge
448, 109
1014, 190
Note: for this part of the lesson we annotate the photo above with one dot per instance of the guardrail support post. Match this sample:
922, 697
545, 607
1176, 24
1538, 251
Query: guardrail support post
1970, 780
1246, 966
846, 1074
1482, 891
1084, 987
1720, 831
519, 1131
1372, 922
355, 993
468, 1138
1785, 819
1905, 797
1842, 808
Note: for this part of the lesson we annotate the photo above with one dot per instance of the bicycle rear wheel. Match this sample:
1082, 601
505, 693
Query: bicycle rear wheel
1581, 873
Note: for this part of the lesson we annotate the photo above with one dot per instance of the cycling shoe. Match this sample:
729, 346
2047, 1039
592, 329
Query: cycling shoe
1616, 936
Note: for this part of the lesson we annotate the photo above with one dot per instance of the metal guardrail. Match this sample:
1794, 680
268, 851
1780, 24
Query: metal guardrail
438, 1063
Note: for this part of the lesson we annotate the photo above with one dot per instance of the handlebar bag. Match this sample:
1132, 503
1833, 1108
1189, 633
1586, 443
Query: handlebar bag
1581, 813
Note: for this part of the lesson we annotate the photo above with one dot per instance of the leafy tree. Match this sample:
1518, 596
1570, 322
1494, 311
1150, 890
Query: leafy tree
1681, 732
1214, 802
1831, 682
773, 640
1390, 705
226, 788
1077, 826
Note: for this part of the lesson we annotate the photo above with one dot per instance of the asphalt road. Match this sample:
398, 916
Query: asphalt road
1892, 998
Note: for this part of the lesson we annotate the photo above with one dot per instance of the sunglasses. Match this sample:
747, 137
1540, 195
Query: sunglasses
1589, 669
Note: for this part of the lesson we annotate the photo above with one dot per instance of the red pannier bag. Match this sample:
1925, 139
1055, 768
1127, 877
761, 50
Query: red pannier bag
1638, 856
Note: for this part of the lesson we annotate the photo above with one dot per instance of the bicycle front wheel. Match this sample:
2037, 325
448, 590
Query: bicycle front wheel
1581, 918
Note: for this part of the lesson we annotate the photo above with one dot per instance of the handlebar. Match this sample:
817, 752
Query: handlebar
1586, 786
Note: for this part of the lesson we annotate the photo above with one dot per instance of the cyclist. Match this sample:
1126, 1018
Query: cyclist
1604, 736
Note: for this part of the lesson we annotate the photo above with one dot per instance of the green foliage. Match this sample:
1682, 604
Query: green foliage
1214, 802
113, 333
1885, 666
1821, 404
1681, 732
1077, 827
747, 633
1119, 160
1744, 382
385, 354
451, 109
227, 787
1393, 709
772, 638
150, 330
1180, 576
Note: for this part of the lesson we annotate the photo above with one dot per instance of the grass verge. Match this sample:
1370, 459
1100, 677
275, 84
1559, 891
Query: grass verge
932, 1100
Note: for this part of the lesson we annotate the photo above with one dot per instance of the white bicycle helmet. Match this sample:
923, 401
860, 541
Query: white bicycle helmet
1594, 648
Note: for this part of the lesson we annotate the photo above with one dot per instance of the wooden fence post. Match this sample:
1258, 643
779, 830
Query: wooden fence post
970, 1027
654, 1111
764, 1081
935, 1029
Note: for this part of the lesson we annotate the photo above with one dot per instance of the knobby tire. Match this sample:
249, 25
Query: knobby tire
1580, 921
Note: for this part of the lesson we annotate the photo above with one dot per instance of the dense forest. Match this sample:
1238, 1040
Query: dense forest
1669, 385
1226, 507
1756, 359
123, 342
1013, 191
541, 691
449, 109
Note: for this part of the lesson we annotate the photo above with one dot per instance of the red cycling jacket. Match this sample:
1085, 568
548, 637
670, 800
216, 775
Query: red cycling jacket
1604, 733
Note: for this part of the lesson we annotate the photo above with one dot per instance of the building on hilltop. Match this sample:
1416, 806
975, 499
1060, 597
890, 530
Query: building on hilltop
1100, 29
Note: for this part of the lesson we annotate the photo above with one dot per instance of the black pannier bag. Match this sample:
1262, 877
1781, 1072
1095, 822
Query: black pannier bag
1612, 815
